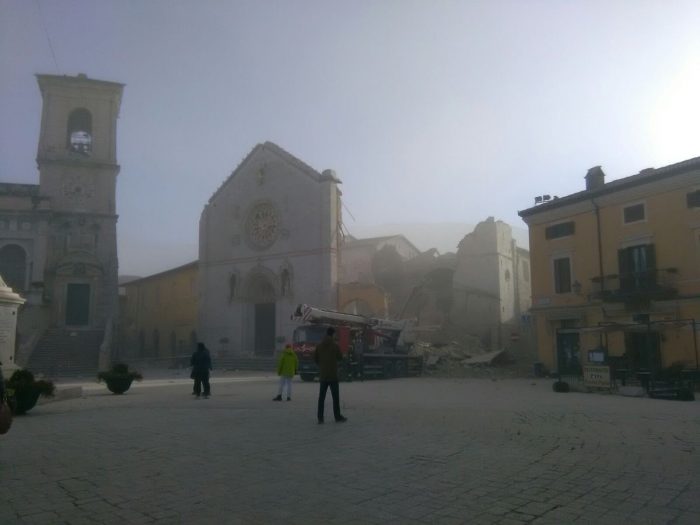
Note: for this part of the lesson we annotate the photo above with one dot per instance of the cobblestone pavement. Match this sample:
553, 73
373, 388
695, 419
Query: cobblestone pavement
414, 451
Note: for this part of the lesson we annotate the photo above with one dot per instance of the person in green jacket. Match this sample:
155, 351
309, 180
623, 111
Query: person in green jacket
327, 355
287, 366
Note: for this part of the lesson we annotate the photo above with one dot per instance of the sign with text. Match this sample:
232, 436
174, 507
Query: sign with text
596, 376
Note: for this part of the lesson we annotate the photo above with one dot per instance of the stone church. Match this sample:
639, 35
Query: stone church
58, 239
269, 238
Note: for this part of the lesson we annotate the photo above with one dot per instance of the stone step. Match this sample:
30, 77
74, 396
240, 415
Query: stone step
66, 353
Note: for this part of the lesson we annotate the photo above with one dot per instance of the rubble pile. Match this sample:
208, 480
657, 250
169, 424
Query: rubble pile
463, 356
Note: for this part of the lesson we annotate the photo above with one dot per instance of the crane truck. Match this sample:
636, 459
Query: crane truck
371, 347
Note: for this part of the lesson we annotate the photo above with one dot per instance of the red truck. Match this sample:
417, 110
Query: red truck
371, 347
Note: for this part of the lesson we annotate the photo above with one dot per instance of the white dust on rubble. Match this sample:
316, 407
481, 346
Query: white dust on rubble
463, 356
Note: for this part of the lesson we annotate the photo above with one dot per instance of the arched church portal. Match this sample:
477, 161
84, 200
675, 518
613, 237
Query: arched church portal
261, 298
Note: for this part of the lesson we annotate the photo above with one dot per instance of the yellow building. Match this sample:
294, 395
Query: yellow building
159, 316
616, 271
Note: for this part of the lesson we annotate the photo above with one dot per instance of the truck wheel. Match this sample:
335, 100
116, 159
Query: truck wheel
307, 377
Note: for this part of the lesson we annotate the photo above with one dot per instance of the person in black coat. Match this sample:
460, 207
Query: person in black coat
201, 364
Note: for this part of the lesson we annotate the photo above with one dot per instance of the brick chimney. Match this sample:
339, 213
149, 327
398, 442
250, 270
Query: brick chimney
595, 178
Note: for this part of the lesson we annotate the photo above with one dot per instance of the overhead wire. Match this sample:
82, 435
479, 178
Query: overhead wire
343, 226
48, 38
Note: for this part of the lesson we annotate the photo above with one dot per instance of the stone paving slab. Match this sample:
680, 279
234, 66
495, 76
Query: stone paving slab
419, 450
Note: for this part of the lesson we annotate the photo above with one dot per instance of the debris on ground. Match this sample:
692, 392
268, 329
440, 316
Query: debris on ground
463, 355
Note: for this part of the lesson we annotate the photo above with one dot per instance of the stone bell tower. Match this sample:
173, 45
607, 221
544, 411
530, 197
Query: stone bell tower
77, 161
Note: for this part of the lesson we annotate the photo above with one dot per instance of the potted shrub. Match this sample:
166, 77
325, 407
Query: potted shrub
23, 391
119, 378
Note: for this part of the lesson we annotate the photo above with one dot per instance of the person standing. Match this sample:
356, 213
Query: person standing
327, 355
201, 365
287, 366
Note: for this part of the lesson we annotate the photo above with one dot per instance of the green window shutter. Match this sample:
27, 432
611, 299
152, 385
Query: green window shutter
651, 265
626, 268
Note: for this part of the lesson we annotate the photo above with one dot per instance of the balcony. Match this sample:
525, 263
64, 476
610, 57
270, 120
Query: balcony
656, 284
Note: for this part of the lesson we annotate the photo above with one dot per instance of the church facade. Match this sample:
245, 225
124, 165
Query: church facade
269, 238
58, 239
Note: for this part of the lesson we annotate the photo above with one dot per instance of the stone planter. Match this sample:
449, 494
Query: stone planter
119, 378
24, 400
119, 385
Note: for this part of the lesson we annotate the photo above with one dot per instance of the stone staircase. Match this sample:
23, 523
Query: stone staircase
66, 353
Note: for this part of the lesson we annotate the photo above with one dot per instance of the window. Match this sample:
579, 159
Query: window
80, 131
526, 271
562, 275
637, 267
559, 230
634, 213
693, 199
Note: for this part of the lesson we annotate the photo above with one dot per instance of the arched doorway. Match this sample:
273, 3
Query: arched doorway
13, 266
261, 296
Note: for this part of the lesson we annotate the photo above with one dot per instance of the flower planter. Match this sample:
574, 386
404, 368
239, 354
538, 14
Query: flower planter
24, 391
24, 400
119, 385
119, 378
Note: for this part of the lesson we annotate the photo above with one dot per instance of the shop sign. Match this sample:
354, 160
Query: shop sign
596, 376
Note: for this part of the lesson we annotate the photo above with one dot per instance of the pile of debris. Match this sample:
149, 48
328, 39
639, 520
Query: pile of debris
463, 356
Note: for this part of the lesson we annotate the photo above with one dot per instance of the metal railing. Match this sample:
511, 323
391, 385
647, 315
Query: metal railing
651, 284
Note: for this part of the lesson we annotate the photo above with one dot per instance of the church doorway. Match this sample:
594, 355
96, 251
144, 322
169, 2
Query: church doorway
264, 328
260, 295
77, 304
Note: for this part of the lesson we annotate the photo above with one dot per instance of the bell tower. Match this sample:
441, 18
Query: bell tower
77, 153
77, 161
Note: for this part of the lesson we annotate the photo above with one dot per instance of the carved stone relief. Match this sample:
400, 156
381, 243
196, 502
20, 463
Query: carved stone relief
234, 281
286, 279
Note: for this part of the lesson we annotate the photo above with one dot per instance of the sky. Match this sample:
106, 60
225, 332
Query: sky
440, 112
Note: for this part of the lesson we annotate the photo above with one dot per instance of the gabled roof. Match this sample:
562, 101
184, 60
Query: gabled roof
284, 155
643, 177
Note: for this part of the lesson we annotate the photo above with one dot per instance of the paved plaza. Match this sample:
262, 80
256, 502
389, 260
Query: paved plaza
419, 450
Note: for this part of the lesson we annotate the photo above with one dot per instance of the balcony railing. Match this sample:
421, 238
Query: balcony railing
654, 284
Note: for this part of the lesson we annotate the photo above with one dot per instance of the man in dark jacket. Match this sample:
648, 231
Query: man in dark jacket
201, 364
327, 355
